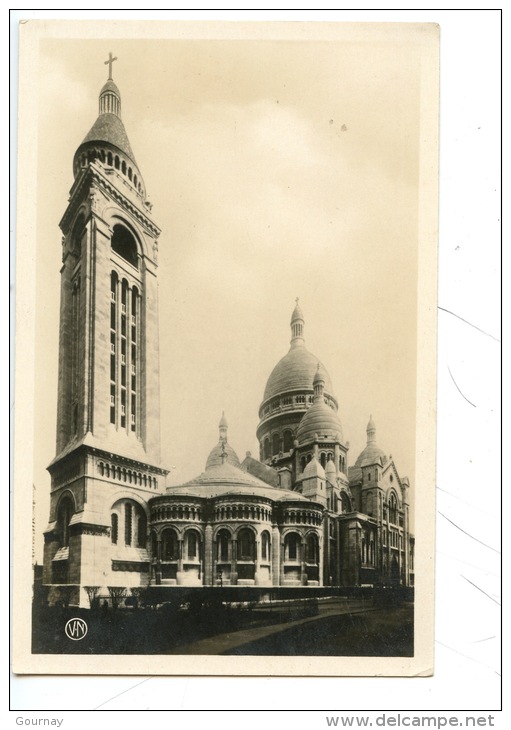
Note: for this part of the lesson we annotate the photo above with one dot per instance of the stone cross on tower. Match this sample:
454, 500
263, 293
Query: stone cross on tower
110, 61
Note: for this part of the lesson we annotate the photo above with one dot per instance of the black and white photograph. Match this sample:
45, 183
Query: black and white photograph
233, 265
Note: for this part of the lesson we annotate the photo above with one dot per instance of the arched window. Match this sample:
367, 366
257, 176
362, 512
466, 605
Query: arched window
154, 545
169, 544
141, 531
65, 512
302, 463
292, 547
275, 444
393, 509
312, 550
323, 459
223, 541
124, 244
246, 545
288, 440
76, 237
192, 545
345, 502
128, 523
115, 528
265, 546
267, 448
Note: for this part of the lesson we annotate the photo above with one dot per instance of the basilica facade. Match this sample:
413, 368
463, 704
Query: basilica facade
297, 515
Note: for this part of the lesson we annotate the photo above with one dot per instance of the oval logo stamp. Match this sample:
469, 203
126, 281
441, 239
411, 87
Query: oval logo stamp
76, 629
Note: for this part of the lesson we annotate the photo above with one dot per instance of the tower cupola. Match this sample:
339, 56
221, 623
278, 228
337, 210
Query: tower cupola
107, 141
297, 325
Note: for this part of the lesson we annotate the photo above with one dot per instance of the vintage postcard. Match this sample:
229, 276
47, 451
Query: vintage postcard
226, 348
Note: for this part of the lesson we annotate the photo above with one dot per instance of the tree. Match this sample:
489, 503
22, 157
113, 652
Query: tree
92, 593
117, 594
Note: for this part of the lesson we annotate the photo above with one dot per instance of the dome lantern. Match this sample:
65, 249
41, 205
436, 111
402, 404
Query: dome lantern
297, 325
222, 452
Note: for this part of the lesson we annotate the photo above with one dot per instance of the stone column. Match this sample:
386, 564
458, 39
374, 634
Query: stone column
157, 573
234, 559
208, 556
321, 548
257, 546
303, 567
275, 556
179, 575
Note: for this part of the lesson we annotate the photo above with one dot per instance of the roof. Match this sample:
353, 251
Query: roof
354, 474
110, 85
330, 470
262, 471
313, 469
372, 454
215, 457
295, 371
319, 419
109, 128
228, 479
297, 313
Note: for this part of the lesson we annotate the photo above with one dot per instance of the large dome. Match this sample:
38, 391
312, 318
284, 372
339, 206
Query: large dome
295, 371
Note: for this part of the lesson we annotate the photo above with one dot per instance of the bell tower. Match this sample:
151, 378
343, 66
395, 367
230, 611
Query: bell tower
107, 462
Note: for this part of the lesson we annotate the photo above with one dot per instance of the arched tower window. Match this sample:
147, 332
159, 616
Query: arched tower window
393, 509
266, 448
123, 243
76, 236
288, 440
65, 512
345, 502
275, 444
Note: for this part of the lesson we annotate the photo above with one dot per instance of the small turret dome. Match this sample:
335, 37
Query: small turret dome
320, 420
222, 452
372, 454
330, 471
313, 469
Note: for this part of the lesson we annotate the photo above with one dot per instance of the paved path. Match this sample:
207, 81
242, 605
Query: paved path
222, 643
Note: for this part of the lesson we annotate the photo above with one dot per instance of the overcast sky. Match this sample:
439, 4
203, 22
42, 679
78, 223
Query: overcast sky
276, 169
